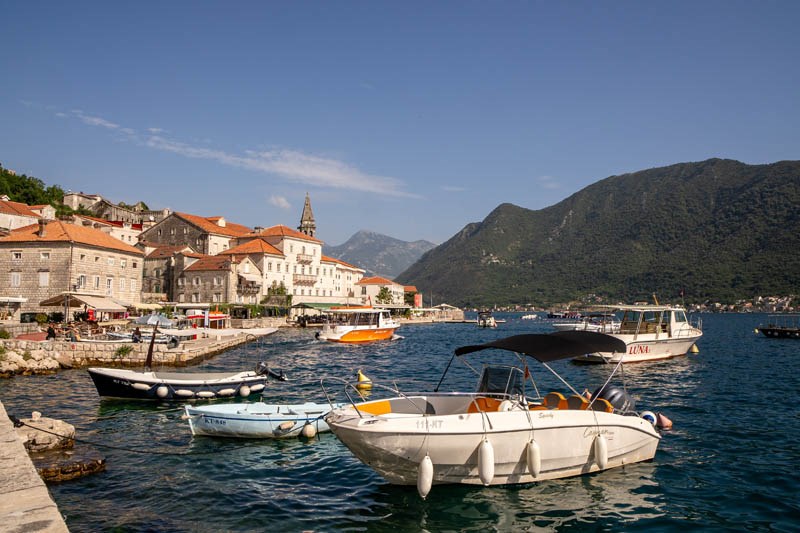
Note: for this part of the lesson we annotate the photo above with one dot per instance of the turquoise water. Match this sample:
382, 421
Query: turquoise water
728, 463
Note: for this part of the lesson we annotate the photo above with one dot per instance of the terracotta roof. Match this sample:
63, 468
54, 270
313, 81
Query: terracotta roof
163, 252
17, 208
115, 223
209, 225
339, 261
410, 288
58, 231
284, 231
256, 246
375, 280
210, 262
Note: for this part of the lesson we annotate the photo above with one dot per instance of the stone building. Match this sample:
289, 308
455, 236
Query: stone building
216, 279
127, 232
102, 208
43, 260
204, 235
15, 215
158, 274
369, 288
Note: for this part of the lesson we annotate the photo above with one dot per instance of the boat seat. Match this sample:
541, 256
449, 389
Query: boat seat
555, 400
577, 402
483, 404
601, 404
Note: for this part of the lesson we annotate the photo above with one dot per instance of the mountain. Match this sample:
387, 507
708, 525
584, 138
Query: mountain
714, 229
378, 254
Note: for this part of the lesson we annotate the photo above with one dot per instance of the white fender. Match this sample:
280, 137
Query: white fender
227, 392
244, 390
162, 391
601, 451
286, 426
486, 462
184, 393
205, 394
505, 406
257, 387
534, 457
425, 476
309, 431
140, 386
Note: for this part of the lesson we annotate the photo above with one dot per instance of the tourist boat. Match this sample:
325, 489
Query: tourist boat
781, 327
486, 320
357, 324
650, 332
499, 435
598, 322
258, 420
148, 385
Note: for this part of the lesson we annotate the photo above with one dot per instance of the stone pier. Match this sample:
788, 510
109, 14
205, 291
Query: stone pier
25, 502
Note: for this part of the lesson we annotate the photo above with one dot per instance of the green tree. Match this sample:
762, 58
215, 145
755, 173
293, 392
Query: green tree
384, 296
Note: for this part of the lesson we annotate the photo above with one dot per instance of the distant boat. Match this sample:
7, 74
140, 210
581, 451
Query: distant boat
257, 420
486, 320
650, 332
781, 327
357, 325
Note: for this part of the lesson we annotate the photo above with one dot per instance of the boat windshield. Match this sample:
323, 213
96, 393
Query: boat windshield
506, 380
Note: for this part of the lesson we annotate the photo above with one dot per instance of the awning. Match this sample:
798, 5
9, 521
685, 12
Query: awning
12, 300
146, 306
312, 305
99, 303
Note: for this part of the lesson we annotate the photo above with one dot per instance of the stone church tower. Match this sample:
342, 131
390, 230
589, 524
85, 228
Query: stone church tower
307, 224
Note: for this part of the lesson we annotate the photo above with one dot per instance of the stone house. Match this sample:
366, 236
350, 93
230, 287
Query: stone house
127, 232
216, 279
158, 274
15, 215
369, 288
102, 208
204, 235
41, 261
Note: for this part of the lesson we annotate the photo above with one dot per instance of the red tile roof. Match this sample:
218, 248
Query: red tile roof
210, 262
58, 231
17, 208
334, 260
375, 280
284, 231
255, 246
163, 252
209, 225
410, 288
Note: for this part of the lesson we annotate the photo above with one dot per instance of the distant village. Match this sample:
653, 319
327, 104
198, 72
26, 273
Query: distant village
122, 259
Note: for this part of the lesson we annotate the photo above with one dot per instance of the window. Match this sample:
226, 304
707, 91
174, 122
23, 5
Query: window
181, 298
97, 282
134, 264
196, 281
109, 285
216, 297
217, 281
121, 284
111, 261
172, 231
133, 285
123, 263
278, 267
247, 268
16, 278
159, 232
16, 256
83, 257
81, 281
44, 279
44, 256
195, 297
96, 258
185, 231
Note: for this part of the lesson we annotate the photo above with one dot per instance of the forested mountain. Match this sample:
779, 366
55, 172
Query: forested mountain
717, 229
378, 254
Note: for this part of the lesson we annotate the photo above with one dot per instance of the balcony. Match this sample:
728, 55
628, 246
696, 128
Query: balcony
304, 279
305, 258
248, 288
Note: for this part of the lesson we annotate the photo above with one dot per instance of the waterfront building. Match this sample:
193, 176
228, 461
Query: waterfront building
214, 279
41, 261
370, 288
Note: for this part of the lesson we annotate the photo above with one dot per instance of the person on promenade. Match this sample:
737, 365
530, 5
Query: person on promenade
136, 336
51, 332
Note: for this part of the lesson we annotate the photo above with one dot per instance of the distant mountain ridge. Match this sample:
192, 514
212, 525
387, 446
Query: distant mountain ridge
713, 229
378, 254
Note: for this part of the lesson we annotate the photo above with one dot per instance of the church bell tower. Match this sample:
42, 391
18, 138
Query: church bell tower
307, 224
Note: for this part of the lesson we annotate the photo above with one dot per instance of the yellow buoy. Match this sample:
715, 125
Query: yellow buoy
695, 349
364, 383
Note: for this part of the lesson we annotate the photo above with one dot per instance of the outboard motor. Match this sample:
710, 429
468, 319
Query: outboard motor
261, 368
621, 401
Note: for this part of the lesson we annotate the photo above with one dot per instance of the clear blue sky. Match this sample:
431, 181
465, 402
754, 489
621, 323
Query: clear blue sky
407, 118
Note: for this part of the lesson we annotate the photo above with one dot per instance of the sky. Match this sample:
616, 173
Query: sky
410, 119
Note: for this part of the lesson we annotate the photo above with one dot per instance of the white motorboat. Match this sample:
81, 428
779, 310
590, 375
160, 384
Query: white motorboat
357, 324
486, 320
599, 322
650, 332
498, 435
258, 420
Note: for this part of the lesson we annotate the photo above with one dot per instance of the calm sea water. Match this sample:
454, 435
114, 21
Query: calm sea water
728, 463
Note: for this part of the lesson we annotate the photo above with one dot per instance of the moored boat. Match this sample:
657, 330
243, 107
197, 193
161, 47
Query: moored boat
486, 320
357, 325
598, 322
781, 327
650, 332
499, 435
258, 420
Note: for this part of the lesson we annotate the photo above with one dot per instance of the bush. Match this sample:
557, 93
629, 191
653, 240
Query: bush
4, 334
123, 351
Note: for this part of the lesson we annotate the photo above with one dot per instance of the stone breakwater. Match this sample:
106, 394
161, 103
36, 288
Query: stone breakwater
25, 357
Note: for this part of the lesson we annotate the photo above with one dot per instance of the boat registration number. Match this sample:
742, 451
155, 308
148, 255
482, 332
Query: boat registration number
430, 424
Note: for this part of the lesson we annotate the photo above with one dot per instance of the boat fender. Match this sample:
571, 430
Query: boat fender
140, 386
601, 452
486, 462
534, 457
309, 431
244, 390
162, 391
205, 394
364, 383
425, 476
184, 393
663, 422
650, 417
505, 406
257, 387
227, 392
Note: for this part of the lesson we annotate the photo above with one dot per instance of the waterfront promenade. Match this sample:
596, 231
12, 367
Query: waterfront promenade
25, 502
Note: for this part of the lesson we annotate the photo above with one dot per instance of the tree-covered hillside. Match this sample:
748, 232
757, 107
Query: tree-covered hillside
716, 229
29, 190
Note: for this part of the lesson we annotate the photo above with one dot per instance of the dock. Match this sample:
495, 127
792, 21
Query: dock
25, 502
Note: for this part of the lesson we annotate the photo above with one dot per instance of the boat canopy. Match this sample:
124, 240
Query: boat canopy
552, 346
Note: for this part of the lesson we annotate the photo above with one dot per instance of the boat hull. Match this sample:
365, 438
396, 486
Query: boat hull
356, 335
130, 384
643, 349
256, 420
780, 332
395, 447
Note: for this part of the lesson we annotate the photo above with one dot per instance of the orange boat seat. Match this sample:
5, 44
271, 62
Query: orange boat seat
555, 400
483, 404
